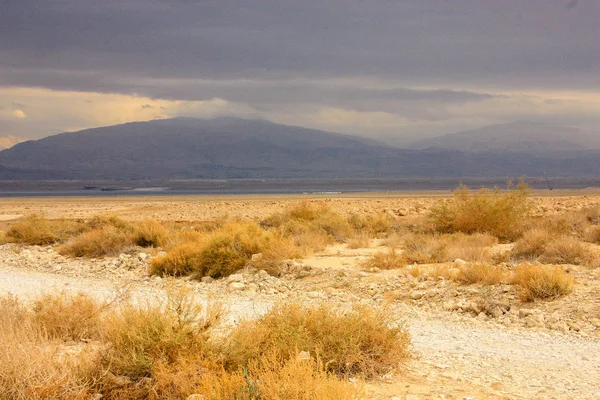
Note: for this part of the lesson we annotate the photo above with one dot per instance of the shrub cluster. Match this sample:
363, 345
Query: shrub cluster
499, 213
169, 348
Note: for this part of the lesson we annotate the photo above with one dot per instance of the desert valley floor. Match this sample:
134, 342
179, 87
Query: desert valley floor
468, 341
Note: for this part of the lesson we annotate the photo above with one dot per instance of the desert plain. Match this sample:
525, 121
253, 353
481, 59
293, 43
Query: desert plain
470, 338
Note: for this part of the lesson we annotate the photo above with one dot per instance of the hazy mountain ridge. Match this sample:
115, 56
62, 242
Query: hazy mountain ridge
520, 136
237, 148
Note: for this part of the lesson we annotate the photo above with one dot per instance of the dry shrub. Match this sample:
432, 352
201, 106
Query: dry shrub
32, 366
68, 317
308, 210
299, 379
265, 378
358, 241
102, 221
274, 253
425, 249
475, 247
443, 271
372, 225
149, 233
483, 273
542, 282
591, 214
312, 217
334, 225
394, 240
305, 237
161, 350
532, 244
360, 342
496, 212
183, 237
387, 260
97, 243
230, 249
179, 261
225, 251
592, 234
36, 230
151, 333
566, 250
542, 245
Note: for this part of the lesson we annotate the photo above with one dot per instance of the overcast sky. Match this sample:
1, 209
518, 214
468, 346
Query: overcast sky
398, 69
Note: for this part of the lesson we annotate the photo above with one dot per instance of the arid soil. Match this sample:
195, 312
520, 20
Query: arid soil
468, 341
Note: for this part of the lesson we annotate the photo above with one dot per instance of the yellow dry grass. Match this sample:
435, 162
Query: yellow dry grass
385, 260
485, 274
496, 212
542, 282
361, 342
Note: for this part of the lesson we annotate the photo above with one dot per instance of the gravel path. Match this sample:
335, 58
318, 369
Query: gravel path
520, 363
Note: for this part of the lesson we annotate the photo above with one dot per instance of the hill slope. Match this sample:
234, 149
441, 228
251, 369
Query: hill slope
237, 148
521, 136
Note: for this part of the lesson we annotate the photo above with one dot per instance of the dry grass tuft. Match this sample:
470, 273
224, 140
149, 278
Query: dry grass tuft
542, 282
68, 317
358, 241
567, 250
540, 244
161, 350
226, 251
532, 244
498, 213
147, 334
485, 274
149, 233
179, 261
387, 260
475, 247
36, 230
98, 243
425, 249
33, 366
361, 342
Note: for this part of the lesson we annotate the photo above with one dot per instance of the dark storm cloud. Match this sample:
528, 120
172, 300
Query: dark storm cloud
448, 43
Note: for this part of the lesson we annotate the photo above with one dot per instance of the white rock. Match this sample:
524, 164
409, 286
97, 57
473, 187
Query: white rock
236, 286
206, 279
235, 278
303, 356
458, 262
416, 295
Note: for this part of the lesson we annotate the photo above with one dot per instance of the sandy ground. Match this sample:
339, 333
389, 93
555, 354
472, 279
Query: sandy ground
456, 356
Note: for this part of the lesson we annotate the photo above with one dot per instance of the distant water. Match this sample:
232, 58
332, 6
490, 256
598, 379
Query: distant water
263, 186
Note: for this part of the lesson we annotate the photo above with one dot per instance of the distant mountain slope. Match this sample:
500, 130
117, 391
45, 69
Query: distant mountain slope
522, 136
236, 148
9, 141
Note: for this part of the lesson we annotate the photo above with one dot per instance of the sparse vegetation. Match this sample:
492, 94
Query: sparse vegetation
97, 243
425, 249
37, 230
539, 244
385, 260
164, 349
225, 251
361, 342
542, 282
495, 212
483, 273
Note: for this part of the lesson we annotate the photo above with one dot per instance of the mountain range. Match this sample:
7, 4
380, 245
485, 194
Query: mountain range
186, 148
521, 136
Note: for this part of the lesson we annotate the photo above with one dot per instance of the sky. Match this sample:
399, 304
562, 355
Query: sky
398, 70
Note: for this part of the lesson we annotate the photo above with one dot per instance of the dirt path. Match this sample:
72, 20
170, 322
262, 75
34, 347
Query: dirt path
454, 358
